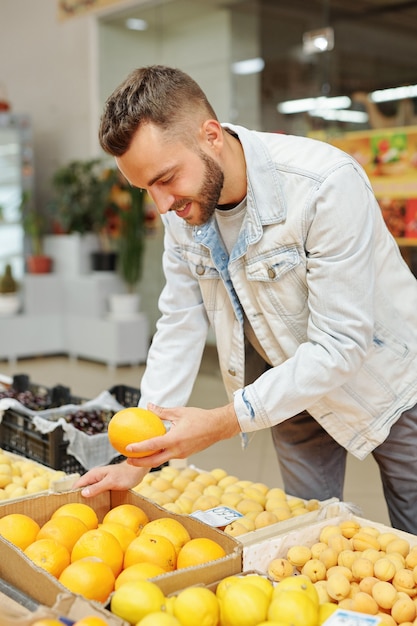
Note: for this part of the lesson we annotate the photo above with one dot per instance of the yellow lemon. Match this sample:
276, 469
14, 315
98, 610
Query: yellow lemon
293, 607
159, 618
224, 584
134, 600
259, 581
196, 605
243, 605
325, 610
298, 583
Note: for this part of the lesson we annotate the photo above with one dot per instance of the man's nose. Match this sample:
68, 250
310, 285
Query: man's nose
162, 200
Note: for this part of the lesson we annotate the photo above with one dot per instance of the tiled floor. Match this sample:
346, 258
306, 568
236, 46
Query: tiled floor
257, 462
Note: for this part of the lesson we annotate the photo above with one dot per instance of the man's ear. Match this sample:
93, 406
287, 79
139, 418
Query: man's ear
212, 134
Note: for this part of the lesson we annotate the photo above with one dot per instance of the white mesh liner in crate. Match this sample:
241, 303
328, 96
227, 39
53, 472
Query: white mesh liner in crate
89, 450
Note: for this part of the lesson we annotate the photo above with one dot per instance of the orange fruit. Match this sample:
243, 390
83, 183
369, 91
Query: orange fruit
90, 578
138, 571
152, 549
199, 550
170, 528
66, 529
129, 515
49, 555
91, 620
19, 529
101, 544
84, 512
133, 425
123, 534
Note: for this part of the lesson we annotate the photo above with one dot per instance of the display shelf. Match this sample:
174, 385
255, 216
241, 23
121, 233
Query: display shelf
115, 342
69, 315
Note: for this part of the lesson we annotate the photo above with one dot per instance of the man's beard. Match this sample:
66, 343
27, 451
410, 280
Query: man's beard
211, 188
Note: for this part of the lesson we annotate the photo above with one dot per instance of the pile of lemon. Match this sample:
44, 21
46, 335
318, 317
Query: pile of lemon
21, 477
248, 600
187, 490
358, 568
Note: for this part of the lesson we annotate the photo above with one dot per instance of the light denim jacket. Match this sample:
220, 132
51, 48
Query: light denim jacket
323, 285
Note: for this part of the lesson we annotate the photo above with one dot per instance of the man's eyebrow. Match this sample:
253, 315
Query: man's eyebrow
159, 175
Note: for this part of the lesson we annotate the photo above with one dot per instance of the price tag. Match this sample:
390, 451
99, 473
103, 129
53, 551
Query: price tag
218, 517
342, 617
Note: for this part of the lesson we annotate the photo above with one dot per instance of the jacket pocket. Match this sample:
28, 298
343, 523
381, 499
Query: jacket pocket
205, 272
280, 275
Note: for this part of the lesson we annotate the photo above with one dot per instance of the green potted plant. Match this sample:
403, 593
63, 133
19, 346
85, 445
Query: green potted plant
35, 226
79, 207
131, 245
9, 292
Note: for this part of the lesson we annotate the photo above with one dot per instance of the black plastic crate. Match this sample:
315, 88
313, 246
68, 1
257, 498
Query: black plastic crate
19, 435
127, 396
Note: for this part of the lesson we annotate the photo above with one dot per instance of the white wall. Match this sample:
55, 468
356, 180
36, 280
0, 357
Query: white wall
46, 68
60, 73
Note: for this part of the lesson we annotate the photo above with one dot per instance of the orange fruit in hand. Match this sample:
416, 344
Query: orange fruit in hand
129, 515
19, 529
84, 512
138, 571
152, 549
66, 529
90, 578
133, 425
101, 544
49, 555
170, 528
199, 550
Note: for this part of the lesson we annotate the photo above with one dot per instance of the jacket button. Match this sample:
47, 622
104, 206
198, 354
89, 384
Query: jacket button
271, 272
200, 269
232, 371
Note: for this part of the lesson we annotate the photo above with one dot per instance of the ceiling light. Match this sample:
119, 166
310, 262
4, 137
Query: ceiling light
249, 66
395, 93
320, 40
134, 23
357, 117
309, 104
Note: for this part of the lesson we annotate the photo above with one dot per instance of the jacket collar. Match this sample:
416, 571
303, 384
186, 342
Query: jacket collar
265, 199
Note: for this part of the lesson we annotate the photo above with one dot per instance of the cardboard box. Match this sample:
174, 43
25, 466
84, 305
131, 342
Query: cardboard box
67, 606
18, 570
258, 555
327, 508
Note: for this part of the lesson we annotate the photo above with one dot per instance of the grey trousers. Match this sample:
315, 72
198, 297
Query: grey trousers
313, 464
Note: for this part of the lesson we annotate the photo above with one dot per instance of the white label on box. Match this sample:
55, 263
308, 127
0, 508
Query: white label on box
342, 617
218, 517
